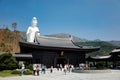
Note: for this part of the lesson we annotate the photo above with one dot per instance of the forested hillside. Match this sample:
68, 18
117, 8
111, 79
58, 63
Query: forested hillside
9, 40
105, 47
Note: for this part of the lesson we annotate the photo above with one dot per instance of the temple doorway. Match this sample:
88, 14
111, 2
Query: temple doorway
61, 60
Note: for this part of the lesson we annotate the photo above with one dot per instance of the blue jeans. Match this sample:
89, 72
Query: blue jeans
22, 71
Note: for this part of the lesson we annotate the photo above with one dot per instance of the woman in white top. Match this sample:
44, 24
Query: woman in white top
22, 69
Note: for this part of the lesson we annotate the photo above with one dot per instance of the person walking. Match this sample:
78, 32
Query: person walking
65, 69
22, 69
43, 69
37, 70
34, 69
51, 69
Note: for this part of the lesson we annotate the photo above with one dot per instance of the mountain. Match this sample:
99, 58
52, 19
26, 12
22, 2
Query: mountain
22, 36
64, 35
117, 43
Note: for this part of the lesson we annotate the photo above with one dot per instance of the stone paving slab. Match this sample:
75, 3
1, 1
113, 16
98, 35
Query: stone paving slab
59, 75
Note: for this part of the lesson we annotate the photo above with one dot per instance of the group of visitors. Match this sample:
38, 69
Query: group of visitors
83, 66
41, 68
65, 68
37, 68
68, 68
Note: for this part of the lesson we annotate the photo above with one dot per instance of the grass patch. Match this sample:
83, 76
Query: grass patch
6, 73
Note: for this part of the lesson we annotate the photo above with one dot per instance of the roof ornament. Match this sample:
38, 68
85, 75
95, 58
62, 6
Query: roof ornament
32, 30
71, 37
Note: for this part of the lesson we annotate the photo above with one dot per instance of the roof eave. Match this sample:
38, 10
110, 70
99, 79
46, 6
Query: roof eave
31, 45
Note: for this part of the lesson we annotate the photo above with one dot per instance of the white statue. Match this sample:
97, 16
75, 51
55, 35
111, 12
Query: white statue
32, 30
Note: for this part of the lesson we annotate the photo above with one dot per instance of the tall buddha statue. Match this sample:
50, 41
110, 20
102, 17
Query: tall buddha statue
32, 30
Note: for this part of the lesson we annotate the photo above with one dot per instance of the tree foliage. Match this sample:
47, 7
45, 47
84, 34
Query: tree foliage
14, 25
7, 62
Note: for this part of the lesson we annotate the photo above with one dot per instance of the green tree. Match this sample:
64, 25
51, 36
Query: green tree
14, 25
7, 62
15, 41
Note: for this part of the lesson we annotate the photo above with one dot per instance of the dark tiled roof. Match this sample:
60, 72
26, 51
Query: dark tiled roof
55, 42
58, 42
115, 50
101, 57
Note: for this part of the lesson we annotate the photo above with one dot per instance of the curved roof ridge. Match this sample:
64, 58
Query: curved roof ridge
54, 38
51, 41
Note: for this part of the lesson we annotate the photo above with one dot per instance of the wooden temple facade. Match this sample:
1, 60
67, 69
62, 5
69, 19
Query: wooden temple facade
52, 51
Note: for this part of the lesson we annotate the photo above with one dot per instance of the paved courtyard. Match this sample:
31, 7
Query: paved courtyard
59, 75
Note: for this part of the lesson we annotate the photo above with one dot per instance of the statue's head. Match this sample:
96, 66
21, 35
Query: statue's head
34, 22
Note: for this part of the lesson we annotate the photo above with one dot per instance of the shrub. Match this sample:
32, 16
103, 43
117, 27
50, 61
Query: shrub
7, 62
28, 72
30, 66
100, 65
16, 72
